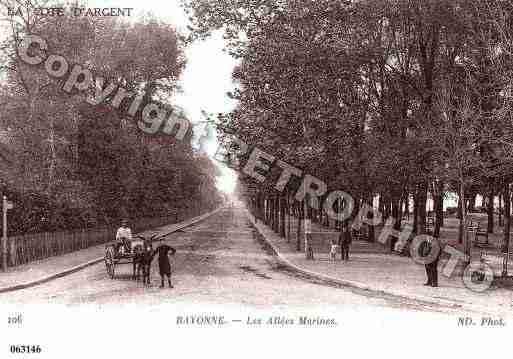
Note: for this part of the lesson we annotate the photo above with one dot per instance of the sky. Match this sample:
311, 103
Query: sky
206, 79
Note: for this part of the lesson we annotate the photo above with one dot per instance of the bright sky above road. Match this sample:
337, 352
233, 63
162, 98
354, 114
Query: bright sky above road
207, 77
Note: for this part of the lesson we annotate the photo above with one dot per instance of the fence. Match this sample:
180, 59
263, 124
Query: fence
32, 247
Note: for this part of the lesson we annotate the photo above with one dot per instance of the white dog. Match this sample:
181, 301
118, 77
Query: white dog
334, 250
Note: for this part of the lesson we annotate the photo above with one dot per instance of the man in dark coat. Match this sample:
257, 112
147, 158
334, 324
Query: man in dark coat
164, 251
345, 240
431, 268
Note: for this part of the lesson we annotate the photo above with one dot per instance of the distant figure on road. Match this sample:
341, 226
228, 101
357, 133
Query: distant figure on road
123, 236
431, 268
345, 240
164, 265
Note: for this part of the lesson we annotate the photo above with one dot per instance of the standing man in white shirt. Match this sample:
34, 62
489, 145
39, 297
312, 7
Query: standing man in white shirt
123, 236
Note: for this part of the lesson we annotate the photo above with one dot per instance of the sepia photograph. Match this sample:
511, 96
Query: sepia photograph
239, 178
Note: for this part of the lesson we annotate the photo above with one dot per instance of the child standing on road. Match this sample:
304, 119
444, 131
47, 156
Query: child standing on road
164, 265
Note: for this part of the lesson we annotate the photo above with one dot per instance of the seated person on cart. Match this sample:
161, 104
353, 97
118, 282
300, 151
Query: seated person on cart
123, 238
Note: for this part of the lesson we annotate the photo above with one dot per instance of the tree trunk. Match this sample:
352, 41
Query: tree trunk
277, 214
472, 203
299, 218
489, 210
371, 216
356, 208
461, 204
501, 223
274, 209
262, 201
282, 216
462, 233
416, 210
288, 216
387, 206
266, 209
381, 205
458, 213
439, 209
507, 225
273, 213
337, 209
407, 205
422, 197
269, 211
396, 213
261, 206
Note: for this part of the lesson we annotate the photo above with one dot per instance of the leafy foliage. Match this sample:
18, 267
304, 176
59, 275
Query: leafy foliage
72, 164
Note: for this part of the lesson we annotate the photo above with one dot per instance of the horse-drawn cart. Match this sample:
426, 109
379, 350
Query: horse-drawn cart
116, 254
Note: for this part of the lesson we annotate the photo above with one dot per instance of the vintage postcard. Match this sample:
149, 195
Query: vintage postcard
240, 178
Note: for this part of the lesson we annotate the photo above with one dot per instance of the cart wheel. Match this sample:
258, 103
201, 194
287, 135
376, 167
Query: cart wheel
109, 262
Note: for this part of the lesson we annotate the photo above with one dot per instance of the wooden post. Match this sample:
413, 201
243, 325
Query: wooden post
4, 234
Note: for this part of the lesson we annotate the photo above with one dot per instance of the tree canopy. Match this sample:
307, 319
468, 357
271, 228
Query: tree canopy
83, 164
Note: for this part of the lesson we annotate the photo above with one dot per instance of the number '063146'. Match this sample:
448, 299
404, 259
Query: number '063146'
25, 349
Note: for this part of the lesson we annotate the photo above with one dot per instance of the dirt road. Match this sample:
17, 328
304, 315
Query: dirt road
219, 261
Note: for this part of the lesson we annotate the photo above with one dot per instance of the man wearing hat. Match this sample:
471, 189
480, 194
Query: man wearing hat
123, 236
431, 244
164, 265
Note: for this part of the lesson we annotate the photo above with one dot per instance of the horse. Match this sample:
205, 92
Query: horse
143, 256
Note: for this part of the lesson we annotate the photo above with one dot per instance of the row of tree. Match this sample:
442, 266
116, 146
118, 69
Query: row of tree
68, 164
388, 98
